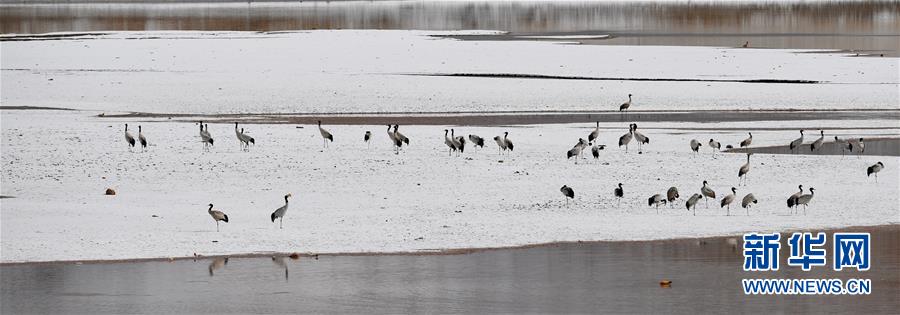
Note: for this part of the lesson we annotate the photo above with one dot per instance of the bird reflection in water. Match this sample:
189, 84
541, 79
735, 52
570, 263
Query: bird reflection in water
279, 261
217, 264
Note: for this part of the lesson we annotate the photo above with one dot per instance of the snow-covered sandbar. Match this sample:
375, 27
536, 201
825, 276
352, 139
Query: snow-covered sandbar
349, 198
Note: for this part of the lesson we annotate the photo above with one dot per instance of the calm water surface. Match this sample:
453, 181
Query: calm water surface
575, 278
851, 25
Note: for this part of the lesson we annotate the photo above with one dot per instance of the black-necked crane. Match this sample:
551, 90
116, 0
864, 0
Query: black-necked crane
595, 150
237, 133
816, 145
576, 150
619, 193
510, 146
691, 203
279, 213
395, 142
708, 193
449, 142
727, 200
792, 200
797, 142
842, 144
624, 107
594, 134
805, 199
400, 135
626, 138
476, 141
129, 138
142, 139
326, 136
672, 195
504, 143
874, 169
695, 146
458, 141
748, 141
568, 193
366, 139
244, 139
247, 139
655, 200
217, 216
641, 138
748, 201
858, 145
205, 136
742, 172
715, 146
746, 44
501, 145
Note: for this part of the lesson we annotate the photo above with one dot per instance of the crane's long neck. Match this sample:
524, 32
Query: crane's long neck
210, 208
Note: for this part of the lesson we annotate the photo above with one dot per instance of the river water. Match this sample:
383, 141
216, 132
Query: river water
606, 277
864, 26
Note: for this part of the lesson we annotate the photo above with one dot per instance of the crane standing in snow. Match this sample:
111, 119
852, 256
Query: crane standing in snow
691, 203
626, 138
727, 200
243, 138
504, 143
715, 146
279, 213
476, 141
142, 139
695, 146
708, 193
748, 201
205, 136
217, 216
742, 172
129, 138
874, 169
641, 138
792, 200
619, 193
568, 193
326, 136
396, 143
594, 134
805, 199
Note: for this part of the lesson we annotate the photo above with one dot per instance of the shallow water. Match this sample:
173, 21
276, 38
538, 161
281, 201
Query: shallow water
851, 25
571, 278
873, 147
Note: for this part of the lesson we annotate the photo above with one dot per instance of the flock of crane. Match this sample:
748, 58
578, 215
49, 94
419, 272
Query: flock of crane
457, 144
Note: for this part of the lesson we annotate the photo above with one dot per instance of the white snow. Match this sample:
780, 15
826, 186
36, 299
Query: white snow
366, 71
349, 199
